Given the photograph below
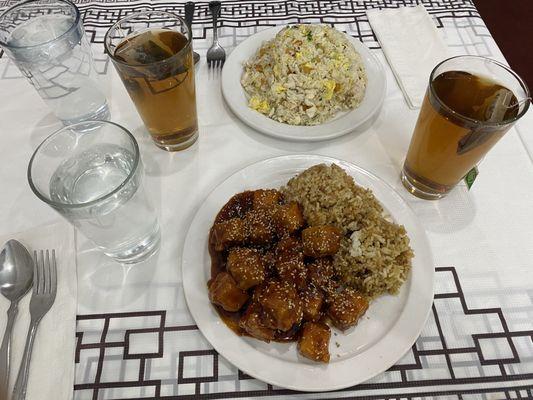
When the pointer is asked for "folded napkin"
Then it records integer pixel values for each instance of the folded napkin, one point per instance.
(52, 364)
(412, 45)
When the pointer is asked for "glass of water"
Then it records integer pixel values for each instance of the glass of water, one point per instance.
(92, 174)
(46, 40)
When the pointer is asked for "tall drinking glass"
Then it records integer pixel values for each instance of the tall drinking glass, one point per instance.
(46, 40)
(152, 53)
(471, 102)
(92, 174)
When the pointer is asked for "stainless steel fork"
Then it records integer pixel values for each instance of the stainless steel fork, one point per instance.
(42, 298)
(216, 55)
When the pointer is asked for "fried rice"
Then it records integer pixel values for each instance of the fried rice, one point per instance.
(375, 256)
(305, 75)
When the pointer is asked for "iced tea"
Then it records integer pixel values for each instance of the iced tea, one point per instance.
(156, 66)
(463, 115)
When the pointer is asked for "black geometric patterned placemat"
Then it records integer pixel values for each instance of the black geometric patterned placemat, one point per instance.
(495, 360)
(240, 19)
(245, 14)
(350, 15)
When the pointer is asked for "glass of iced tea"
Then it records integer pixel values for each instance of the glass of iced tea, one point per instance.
(152, 53)
(470, 103)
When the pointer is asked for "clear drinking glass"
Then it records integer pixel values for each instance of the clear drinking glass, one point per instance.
(152, 54)
(470, 103)
(92, 174)
(46, 40)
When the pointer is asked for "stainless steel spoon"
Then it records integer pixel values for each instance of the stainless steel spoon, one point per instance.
(16, 279)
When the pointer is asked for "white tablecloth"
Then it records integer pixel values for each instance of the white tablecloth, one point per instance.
(482, 237)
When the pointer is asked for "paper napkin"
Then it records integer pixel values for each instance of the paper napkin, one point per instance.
(52, 364)
(412, 45)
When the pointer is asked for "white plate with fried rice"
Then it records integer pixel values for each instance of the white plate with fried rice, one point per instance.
(341, 92)
(381, 337)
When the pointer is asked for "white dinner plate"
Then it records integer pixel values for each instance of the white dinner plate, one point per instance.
(382, 336)
(343, 123)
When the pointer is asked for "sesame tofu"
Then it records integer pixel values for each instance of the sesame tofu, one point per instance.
(224, 292)
(293, 270)
(346, 307)
(246, 266)
(289, 247)
(320, 272)
(290, 264)
(229, 233)
(269, 261)
(266, 198)
(321, 241)
(260, 227)
(252, 324)
(281, 303)
(288, 218)
(314, 341)
(312, 302)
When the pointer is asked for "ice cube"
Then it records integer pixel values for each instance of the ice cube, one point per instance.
(142, 49)
(127, 52)
(500, 105)
(40, 30)
(155, 52)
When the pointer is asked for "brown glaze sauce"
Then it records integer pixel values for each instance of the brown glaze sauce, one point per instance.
(237, 207)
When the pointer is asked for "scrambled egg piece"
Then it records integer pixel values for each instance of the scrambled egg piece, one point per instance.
(259, 105)
(340, 61)
(307, 67)
(279, 88)
(329, 85)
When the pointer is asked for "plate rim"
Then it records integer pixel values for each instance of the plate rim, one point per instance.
(320, 388)
(279, 126)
